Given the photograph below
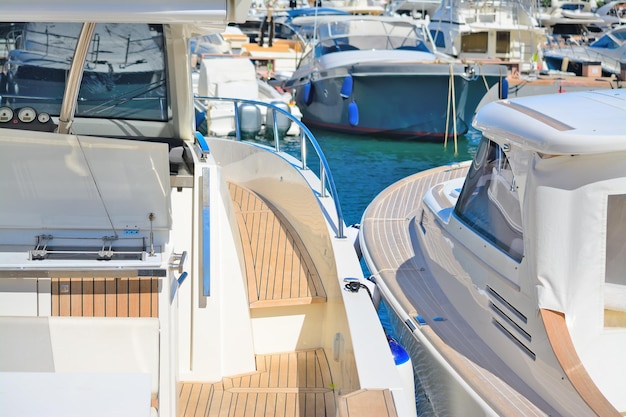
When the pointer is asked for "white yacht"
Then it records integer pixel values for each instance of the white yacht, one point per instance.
(381, 75)
(505, 31)
(148, 270)
(505, 275)
(608, 53)
(236, 77)
(571, 20)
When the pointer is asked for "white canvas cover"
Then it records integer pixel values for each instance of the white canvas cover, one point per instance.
(59, 181)
(228, 77)
(201, 12)
(567, 200)
(567, 205)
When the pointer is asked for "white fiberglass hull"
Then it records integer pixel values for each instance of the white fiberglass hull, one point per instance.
(442, 318)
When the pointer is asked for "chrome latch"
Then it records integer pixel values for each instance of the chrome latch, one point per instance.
(178, 261)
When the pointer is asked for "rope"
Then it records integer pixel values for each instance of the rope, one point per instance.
(451, 98)
(98, 190)
(482, 74)
(445, 138)
(500, 85)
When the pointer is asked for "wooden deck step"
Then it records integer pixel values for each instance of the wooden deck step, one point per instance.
(279, 269)
(285, 384)
(367, 403)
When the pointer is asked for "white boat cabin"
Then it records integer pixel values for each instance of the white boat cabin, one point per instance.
(538, 227)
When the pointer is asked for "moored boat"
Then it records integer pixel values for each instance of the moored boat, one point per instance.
(505, 272)
(149, 270)
(236, 77)
(381, 75)
(486, 31)
(607, 55)
(571, 19)
(613, 13)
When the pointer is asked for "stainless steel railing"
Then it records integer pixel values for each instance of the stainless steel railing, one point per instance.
(327, 183)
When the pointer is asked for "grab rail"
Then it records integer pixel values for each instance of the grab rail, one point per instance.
(325, 176)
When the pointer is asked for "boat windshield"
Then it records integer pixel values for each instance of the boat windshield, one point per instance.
(612, 40)
(489, 203)
(370, 35)
(573, 6)
(124, 74)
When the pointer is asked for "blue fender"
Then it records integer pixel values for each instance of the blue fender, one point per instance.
(353, 114)
(307, 93)
(200, 116)
(503, 88)
(346, 87)
(400, 355)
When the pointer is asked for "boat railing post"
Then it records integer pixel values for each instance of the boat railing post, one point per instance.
(303, 150)
(206, 232)
(323, 192)
(151, 219)
(237, 121)
(275, 124)
(127, 51)
(96, 47)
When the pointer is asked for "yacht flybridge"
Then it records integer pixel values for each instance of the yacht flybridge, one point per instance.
(507, 272)
(148, 270)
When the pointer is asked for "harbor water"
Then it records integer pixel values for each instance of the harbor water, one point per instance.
(362, 166)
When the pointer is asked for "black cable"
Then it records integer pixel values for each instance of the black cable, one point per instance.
(355, 286)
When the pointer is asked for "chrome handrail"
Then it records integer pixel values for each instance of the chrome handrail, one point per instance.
(325, 176)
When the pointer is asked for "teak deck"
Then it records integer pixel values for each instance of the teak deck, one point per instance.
(288, 384)
(291, 384)
(295, 384)
(279, 269)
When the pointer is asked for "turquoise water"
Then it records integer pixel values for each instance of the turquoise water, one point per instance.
(363, 166)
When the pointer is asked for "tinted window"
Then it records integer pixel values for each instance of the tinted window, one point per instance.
(439, 39)
(124, 71)
(489, 203)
